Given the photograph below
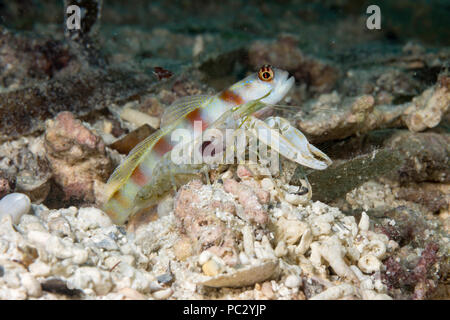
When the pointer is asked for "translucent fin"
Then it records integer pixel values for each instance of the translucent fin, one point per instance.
(180, 108)
(123, 172)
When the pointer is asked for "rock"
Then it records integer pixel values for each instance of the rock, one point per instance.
(243, 258)
(285, 54)
(139, 118)
(162, 294)
(296, 199)
(426, 111)
(267, 184)
(32, 286)
(59, 286)
(77, 158)
(204, 257)
(246, 276)
(360, 115)
(243, 172)
(155, 286)
(59, 226)
(425, 156)
(212, 268)
(305, 242)
(91, 218)
(253, 209)
(202, 226)
(290, 231)
(30, 60)
(364, 222)
(39, 269)
(7, 184)
(183, 249)
(165, 279)
(91, 278)
(248, 241)
(25, 168)
(15, 205)
(429, 195)
(131, 294)
(333, 252)
(350, 116)
(57, 247)
(369, 263)
(336, 292)
(350, 174)
(280, 249)
(126, 143)
(266, 289)
(89, 88)
(293, 281)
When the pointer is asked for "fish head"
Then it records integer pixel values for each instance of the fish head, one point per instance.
(270, 84)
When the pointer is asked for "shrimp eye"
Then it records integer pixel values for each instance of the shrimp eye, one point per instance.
(266, 73)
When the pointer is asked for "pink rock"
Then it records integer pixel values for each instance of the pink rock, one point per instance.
(263, 195)
(77, 158)
(243, 172)
(199, 222)
(253, 209)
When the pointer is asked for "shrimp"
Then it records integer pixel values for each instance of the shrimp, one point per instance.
(149, 172)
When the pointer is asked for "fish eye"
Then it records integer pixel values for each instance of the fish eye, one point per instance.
(266, 73)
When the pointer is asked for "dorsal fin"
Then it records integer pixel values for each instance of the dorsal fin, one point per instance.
(183, 106)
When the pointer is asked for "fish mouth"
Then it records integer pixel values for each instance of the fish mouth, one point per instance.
(285, 84)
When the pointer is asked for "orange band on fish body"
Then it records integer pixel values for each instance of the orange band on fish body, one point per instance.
(196, 115)
(162, 146)
(139, 177)
(121, 198)
(231, 97)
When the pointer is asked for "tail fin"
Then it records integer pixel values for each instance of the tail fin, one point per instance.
(128, 179)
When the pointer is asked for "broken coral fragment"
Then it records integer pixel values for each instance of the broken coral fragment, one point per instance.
(77, 158)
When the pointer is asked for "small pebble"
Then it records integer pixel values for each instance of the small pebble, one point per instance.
(369, 263)
(39, 269)
(243, 258)
(266, 289)
(267, 184)
(211, 268)
(364, 223)
(366, 284)
(243, 172)
(183, 249)
(165, 278)
(227, 175)
(294, 199)
(155, 286)
(163, 294)
(139, 118)
(293, 281)
(32, 286)
(204, 257)
(15, 205)
(59, 226)
(132, 294)
(281, 249)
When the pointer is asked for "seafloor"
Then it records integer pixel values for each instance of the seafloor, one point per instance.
(374, 225)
